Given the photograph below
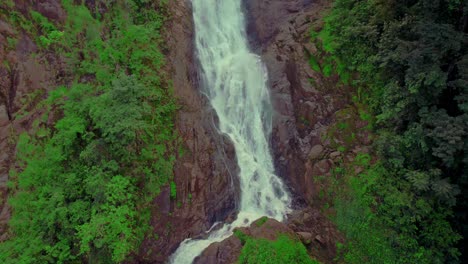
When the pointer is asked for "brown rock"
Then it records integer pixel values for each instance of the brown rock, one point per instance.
(322, 167)
(319, 239)
(6, 29)
(306, 237)
(279, 31)
(315, 152)
(51, 9)
(358, 170)
(335, 154)
(4, 120)
(224, 252)
(317, 232)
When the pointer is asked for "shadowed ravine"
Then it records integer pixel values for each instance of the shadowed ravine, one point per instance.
(235, 83)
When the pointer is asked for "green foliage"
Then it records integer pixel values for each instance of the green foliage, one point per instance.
(173, 188)
(52, 37)
(9, 3)
(387, 220)
(327, 70)
(12, 42)
(50, 33)
(261, 221)
(85, 186)
(42, 22)
(280, 251)
(15, 18)
(411, 60)
(313, 62)
(241, 236)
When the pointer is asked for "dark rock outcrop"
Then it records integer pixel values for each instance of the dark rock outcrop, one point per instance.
(304, 108)
(316, 232)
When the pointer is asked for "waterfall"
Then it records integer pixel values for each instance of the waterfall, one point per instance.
(235, 82)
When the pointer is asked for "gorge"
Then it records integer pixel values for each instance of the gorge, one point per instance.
(233, 131)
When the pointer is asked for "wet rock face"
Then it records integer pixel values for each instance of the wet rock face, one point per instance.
(206, 172)
(305, 104)
(303, 109)
(266, 17)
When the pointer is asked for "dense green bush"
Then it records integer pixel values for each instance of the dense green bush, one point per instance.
(84, 187)
(49, 33)
(411, 60)
(280, 251)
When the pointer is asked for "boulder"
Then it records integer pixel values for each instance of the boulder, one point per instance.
(306, 237)
(315, 152)
(51, 9)
(6, 29)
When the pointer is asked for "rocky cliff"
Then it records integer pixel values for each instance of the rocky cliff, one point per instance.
(205, 171)
(305, 105)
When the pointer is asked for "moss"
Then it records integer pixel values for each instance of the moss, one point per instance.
(241, 236)
(12, 42)
(280, 251)
(260, 222)
(313, 62)
(173, 188)
(327, 70)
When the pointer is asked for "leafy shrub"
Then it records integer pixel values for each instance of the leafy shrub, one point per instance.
(283, 250)
(408, 61)
(85, 186)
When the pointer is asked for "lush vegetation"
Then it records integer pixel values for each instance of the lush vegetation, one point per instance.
(84, 186)
(279, 251)
(408, 61)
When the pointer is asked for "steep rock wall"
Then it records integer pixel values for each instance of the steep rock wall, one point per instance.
(206, 172)
(304, 105)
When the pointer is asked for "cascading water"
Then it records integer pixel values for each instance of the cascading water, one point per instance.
(235, 82)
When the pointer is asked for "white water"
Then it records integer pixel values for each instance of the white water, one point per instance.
(235, 82)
